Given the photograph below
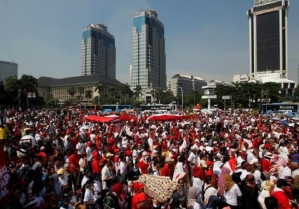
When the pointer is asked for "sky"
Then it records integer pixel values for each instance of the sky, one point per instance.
(205, 38)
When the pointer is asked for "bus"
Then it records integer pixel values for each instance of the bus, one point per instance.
(276, 107)
(160, 108)
(115, 107)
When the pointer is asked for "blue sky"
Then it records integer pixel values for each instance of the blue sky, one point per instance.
(206, 38)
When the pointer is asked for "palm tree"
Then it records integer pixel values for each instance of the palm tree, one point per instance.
(125, 90)
(88, 95)
(71, 91)
(137, 92)
(80, 91)
(99, 88)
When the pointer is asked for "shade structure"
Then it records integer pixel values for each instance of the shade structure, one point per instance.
(168, 117)
(100, 119)
(127, 118)
(160, 188)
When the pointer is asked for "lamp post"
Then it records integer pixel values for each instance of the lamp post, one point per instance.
(265, 93)
(182, 98)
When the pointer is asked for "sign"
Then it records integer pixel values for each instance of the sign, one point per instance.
(286, 107)
(225, 97)
(4, 177)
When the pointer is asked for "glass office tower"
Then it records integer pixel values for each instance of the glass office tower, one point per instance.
(148, 69)
(98, 52)
(268, 37)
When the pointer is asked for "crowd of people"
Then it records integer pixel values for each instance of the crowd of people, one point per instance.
(57, 159)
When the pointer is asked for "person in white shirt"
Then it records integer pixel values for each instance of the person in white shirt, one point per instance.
(192, 157)
(209, 189)
(106, 177)
(231, 192)
(89, 198)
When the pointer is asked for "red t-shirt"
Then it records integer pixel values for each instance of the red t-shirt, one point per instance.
(74, 159)
(96, 166)
(283, 202)
(266, 165)
(166, 171)
(143, 166)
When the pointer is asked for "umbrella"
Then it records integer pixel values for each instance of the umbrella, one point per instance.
(160, 188)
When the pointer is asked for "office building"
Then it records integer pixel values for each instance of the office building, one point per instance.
(188, 83)
(148, 69)
(8, 69)
(98, 52)
(58, 87)
(268, 38)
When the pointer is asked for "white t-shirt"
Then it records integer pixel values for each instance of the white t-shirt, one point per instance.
(122, 167)
(89, 197)
(210, 191)
(232, 195)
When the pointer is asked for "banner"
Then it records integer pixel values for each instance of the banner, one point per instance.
(4, 177)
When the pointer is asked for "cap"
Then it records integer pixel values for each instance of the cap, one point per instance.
(138, 185)
(144, 153)
(168, 159)
(109, 154)
(203, 163)
(60, 171)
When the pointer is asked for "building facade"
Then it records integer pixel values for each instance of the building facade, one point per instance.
(148, 68)
(58, 88)
(188, 83)
(8, 69)
(268, 37)
(98, 52)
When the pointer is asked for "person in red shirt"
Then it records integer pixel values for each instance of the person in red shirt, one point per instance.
(167, 168)
(265, 162)
(279, 194)
(43, 155)
(74, 168)
(138, 188)
(143, 164)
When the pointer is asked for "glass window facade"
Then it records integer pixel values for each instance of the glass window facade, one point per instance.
(268, 48)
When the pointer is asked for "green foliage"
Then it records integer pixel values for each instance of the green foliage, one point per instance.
(71, 91)
(247, 94)
(15, 91)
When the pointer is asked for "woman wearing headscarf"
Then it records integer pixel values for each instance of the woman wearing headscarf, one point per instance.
(118, 190)
(231, 192)
(224, 171)
(192, 198)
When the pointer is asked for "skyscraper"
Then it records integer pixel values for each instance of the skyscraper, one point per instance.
(148, 69)
(8, 69)
(98, 52)
(268, 35)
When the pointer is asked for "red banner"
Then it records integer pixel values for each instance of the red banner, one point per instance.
(4, 177)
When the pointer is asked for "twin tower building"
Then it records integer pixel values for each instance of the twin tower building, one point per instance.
(268, 32)
(148, 68)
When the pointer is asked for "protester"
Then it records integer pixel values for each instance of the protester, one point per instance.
(63, 160)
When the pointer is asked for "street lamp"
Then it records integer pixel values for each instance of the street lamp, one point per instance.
(182, 98)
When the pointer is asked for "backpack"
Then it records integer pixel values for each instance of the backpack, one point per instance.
(111, 201)
(203, 191)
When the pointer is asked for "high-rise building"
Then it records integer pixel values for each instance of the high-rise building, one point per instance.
(8, 69)
(148, 69)
(268, 37)
(188, 83)
(98, 52)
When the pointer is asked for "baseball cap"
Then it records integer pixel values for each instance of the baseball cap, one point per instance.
(138, 185)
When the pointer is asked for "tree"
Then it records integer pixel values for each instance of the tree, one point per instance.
(125, 91)
(137, 92)
(88, 95)
(11, 86)
(99, 88)
(71, 91)
(80, 90)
